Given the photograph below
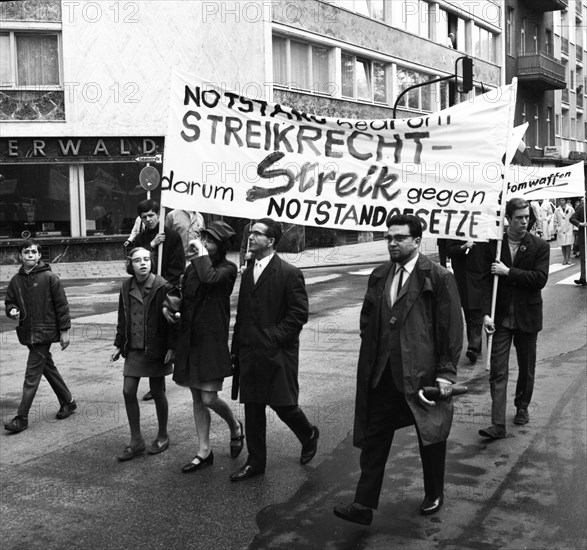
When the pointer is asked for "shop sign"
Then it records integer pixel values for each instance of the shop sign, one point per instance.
(552, 152)
(80, 149)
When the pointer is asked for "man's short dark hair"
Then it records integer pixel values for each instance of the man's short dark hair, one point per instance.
(147, 205)
(413, 222)
(515, 204)
(27, 243)
(273, 229)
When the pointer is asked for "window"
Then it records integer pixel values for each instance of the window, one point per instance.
(300, 65)
(548, 42)
(363, 79)
(523, 36)
(510, 40)
(536, 38)
(35, 199)
(29, 60)
(557, 125)
(548, 125)
(483, 44)
(420, 99)
(536, 125)
(572, 81)
(415, 18)
(369, 8)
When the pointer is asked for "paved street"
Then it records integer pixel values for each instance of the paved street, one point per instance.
(62, 486)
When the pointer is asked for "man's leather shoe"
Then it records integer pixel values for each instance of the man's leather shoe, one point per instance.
(17, 424)
(310, 447)
(581, 282)
(522, 417)
(493, 432)
(431, 505)
(351, 512)
(471, 356)
(246, 472)
(66, 410)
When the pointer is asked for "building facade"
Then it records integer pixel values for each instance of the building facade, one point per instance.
(545, 49)
(84, 88)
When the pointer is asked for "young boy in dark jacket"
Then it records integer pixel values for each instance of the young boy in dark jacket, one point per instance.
(36, 299)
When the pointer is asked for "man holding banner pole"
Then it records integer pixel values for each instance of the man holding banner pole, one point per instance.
(513, 312)
(578, 220)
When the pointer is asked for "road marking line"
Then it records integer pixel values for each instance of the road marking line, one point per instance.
(558, 267)
(569, 280)
(313, 280)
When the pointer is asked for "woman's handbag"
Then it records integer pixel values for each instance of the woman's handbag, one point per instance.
(173, 298)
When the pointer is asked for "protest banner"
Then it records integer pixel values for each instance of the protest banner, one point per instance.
(243, 157)
(535, 183)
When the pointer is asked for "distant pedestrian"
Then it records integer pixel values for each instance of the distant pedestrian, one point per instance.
(246, 258)
(36, 299)
(578, 220)
(564, 228)
(272, 309)
(147, 343)
(188, 224)
(467, 262)
(202, 358)
(523, 272)
(411, 336)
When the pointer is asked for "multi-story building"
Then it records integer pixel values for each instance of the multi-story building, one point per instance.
(84, 88)
(545, 48)
(570, 27)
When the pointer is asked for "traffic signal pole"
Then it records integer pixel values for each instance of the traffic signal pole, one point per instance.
(467, 80)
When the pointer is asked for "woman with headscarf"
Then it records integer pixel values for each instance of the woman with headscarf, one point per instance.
(202, 356)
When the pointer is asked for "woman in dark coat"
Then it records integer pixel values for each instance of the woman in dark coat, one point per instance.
(202, 357)
(146, 341)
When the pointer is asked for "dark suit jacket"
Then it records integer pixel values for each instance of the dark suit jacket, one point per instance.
(527, 277)
(270, 316)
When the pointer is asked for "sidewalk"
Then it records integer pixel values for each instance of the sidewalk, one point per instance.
(352, 254)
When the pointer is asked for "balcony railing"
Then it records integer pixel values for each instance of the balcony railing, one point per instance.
(541, 70)
(565, 45)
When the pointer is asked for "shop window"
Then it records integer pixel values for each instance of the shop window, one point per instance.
(29, 60)
(34, 200)
(112, 192)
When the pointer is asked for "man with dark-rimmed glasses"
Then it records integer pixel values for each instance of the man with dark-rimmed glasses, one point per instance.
(411, 337)
(272, 309)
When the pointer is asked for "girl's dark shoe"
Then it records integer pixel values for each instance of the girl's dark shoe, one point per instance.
(202, 462)
(129, 452)
(158, 446)
(237, 443)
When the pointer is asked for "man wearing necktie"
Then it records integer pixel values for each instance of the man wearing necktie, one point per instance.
(272, 309)
(411, 337)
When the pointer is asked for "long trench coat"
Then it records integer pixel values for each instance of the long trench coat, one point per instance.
(270, 316)
(202, 351)
(431, 340)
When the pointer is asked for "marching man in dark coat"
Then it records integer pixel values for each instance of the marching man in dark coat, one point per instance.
(411, 337)
(272, 309)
